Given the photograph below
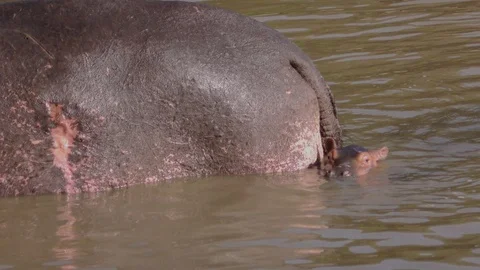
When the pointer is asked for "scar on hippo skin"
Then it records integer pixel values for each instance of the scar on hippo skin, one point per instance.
(350, 160)
(63, 136)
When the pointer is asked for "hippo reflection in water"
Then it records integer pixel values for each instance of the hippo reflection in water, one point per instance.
(351, 160)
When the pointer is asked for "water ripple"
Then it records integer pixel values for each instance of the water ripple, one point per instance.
(427, 2)
(395, 37)
(389, 29)
(302, 17)
(398, 264)
(391, 19)
(471, 71)
(457, 230)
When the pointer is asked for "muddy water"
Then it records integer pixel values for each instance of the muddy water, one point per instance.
(405, 74)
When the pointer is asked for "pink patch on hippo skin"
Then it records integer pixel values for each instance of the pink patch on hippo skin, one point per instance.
(35, 142)
(63, 136)
(151, 179)
(23, 105)
(91, 186)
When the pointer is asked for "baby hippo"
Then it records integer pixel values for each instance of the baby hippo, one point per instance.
(350, 160)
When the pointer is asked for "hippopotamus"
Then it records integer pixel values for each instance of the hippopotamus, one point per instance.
(351, 160)
(98, 94)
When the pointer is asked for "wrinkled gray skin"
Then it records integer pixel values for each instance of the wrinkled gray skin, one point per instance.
(99, 94)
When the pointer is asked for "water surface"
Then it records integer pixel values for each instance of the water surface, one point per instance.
(405, 74)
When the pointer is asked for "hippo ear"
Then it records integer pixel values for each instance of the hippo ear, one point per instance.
(383, 152)
(330, 150)
(380, 154)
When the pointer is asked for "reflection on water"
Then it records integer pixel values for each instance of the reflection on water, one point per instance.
(405, 74)
(64, 254)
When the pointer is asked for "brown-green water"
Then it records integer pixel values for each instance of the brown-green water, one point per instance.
(405, 74)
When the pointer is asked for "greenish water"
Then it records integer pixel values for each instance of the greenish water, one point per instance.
(405, 74)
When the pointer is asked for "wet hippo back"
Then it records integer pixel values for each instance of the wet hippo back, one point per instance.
(99, 94)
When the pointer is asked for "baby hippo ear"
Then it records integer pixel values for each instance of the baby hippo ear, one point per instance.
(330, 149)
(380, 154)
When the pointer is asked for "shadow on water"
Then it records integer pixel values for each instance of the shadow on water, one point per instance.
(405, 74)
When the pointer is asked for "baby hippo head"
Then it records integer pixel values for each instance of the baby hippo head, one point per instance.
(351, 160)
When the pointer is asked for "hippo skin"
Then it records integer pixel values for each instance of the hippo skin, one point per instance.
(98, 94)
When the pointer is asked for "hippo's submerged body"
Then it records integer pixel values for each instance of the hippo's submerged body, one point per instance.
(101, 94)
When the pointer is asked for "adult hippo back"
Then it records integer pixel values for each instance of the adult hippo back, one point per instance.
(101, 94)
